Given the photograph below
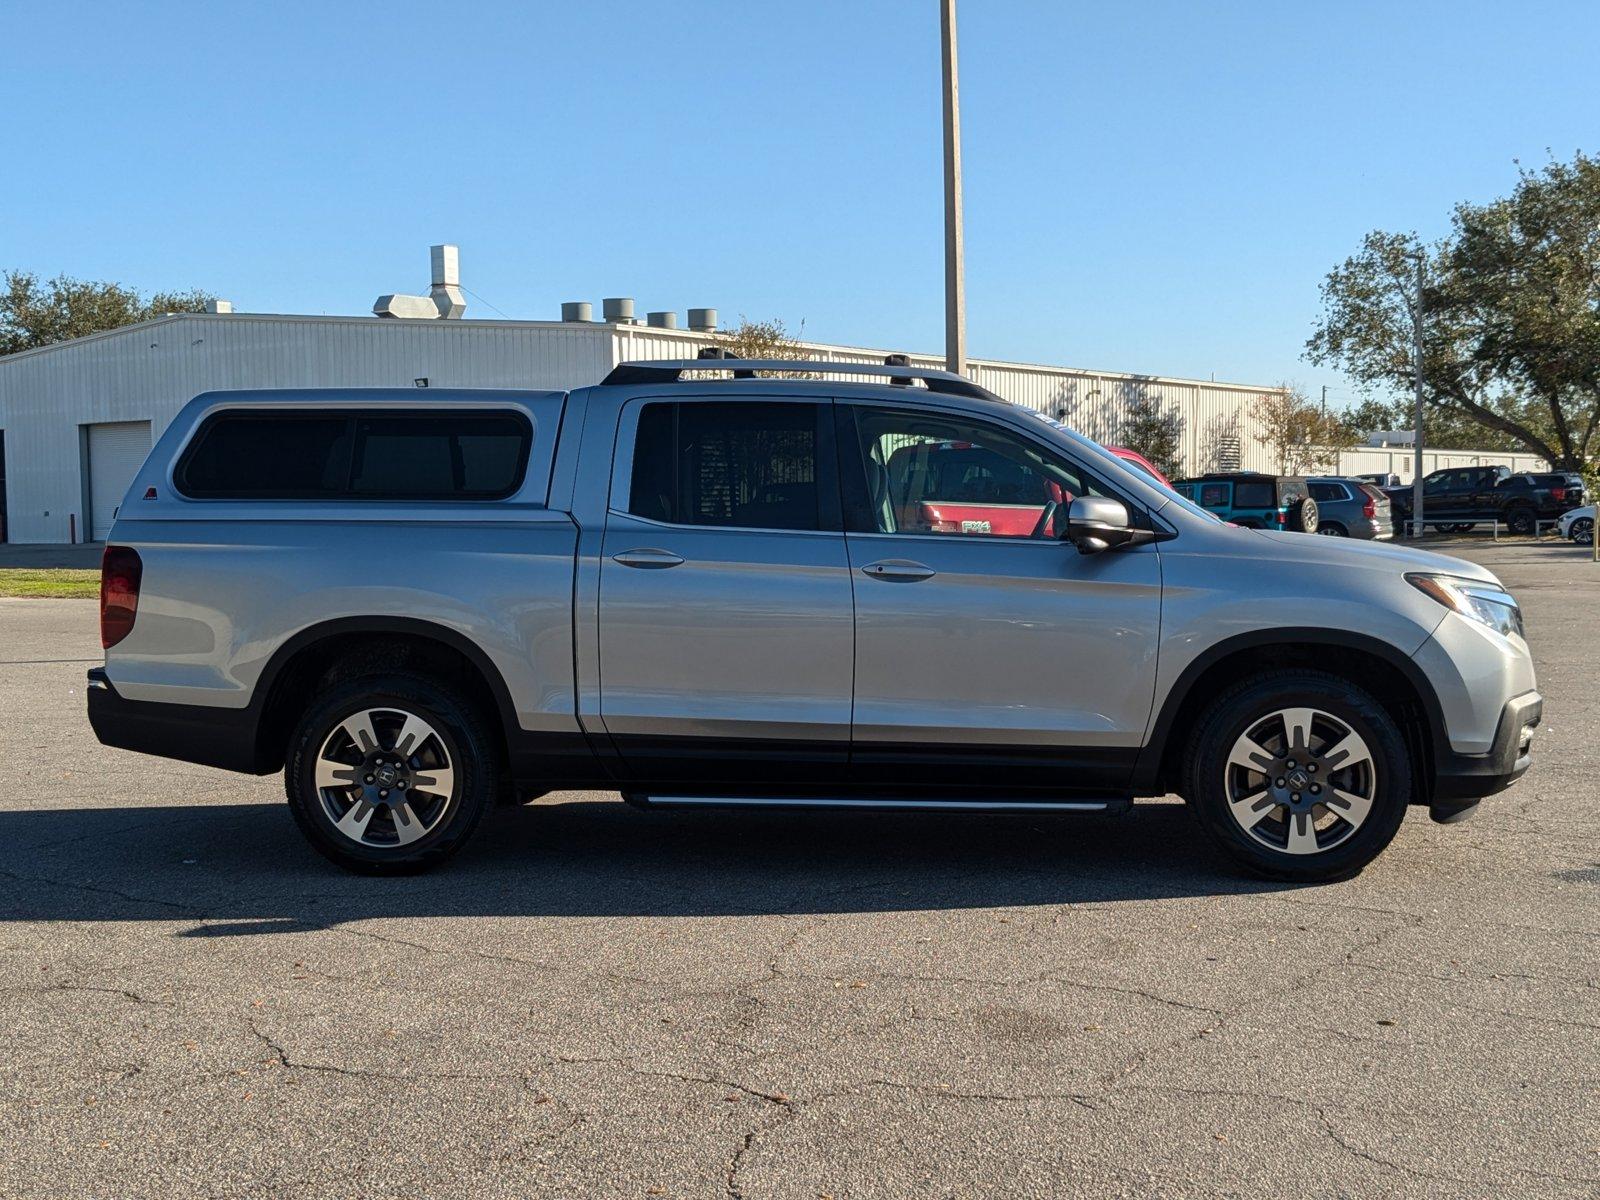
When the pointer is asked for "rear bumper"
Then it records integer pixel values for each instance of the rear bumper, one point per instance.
(1461, 780)
(197, 733)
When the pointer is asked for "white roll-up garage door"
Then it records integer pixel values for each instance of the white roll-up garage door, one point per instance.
(116, 452)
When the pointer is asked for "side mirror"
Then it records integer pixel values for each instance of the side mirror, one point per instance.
(1098, 523)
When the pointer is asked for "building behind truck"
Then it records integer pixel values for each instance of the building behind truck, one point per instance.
(78, 417)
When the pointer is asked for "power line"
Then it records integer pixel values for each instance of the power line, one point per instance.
(481, 300)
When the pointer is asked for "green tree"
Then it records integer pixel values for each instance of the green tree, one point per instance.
(40, 314)
(1153, 428)
(1443, 429)
(764, 339)
(1300, 436)
(1510, 314)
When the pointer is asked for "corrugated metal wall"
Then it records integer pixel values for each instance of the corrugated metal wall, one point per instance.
(148, 372)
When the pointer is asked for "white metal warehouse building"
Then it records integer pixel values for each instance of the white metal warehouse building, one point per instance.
(77, 418)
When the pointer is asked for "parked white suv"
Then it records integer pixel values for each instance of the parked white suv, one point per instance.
(700, 590)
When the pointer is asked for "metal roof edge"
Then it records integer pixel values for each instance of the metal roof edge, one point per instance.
(615, 328)
(98, 335)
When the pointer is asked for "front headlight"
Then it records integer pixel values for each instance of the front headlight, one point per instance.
(1486, 603)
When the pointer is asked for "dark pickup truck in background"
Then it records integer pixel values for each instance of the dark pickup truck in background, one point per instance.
(1457, 498)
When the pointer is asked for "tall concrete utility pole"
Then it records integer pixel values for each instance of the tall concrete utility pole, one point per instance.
(1416, 371)
(955, 288)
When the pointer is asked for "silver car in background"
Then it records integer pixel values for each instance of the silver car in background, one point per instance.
(1351, 508)
(698, 583)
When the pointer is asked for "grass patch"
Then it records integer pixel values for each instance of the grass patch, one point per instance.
(50, 583)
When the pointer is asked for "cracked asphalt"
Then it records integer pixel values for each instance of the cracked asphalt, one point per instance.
(597, 1001)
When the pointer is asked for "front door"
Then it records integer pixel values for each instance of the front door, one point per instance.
(990, 655)
(725, 603)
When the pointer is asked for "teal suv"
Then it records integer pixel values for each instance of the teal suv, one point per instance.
(1254, 500)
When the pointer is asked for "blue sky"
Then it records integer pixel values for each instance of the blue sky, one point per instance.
(1151, 187)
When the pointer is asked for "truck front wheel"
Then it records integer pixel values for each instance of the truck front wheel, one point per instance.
(390, 774)
(1298, 775)
(1521, 521)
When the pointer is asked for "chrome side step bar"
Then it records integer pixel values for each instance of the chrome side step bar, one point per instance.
(889, 803)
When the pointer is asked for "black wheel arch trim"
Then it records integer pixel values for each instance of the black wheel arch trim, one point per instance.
(235, 738)
(1147, 778)
(538, 756)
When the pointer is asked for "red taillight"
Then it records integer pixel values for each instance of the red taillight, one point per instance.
(1278, 518)
(1369, 510)
(1558, 493)
(120, 572)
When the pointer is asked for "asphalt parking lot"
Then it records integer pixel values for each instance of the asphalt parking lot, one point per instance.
(598, 1001)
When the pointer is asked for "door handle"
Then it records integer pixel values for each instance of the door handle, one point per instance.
(898, 570)
(648, 559)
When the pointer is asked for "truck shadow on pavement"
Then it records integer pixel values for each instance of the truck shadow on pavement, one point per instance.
(244, 868)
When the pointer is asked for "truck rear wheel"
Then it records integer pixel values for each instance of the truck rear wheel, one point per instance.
(1522, 521)
(390, 774)
(1298, 775)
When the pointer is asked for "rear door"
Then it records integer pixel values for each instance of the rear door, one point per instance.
(1462, 492)
(989, 660)
(1490, 491)
(725, 619)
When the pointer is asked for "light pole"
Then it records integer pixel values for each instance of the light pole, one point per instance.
(955, 297)
(1416, 372)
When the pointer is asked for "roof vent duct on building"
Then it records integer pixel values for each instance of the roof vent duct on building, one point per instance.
(446, 290)
(703, 320)
(577, 311)
(444, 299)
(662, 320)
(219, 306)
(618, 310)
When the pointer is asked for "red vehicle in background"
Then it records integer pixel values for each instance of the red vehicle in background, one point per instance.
(960, 487)
(1143, 463)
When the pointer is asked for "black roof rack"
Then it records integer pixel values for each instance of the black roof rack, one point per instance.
(715, 358)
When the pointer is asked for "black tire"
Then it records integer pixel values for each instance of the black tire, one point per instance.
(1466, 527)
(1303, 516)
(1332, 529)
(1581, 532)
(1251, 704)
(463, 746)
(1522, 521)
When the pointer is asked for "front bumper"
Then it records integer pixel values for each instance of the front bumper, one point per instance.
(1461, 780)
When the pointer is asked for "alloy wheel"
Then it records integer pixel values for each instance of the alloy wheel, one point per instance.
(384, 777)
(1300, 781)
(1581, 532)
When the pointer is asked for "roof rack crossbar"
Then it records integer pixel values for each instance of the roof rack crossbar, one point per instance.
(672, 371)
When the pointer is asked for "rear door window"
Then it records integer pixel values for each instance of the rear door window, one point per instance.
(1326, 493)
(729, 463)
(1215, 495)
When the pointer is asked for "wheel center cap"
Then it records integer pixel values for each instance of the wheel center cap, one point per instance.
(386, 776)
(1299, 780)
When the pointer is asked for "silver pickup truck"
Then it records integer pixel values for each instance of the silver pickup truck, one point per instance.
(698, 583)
